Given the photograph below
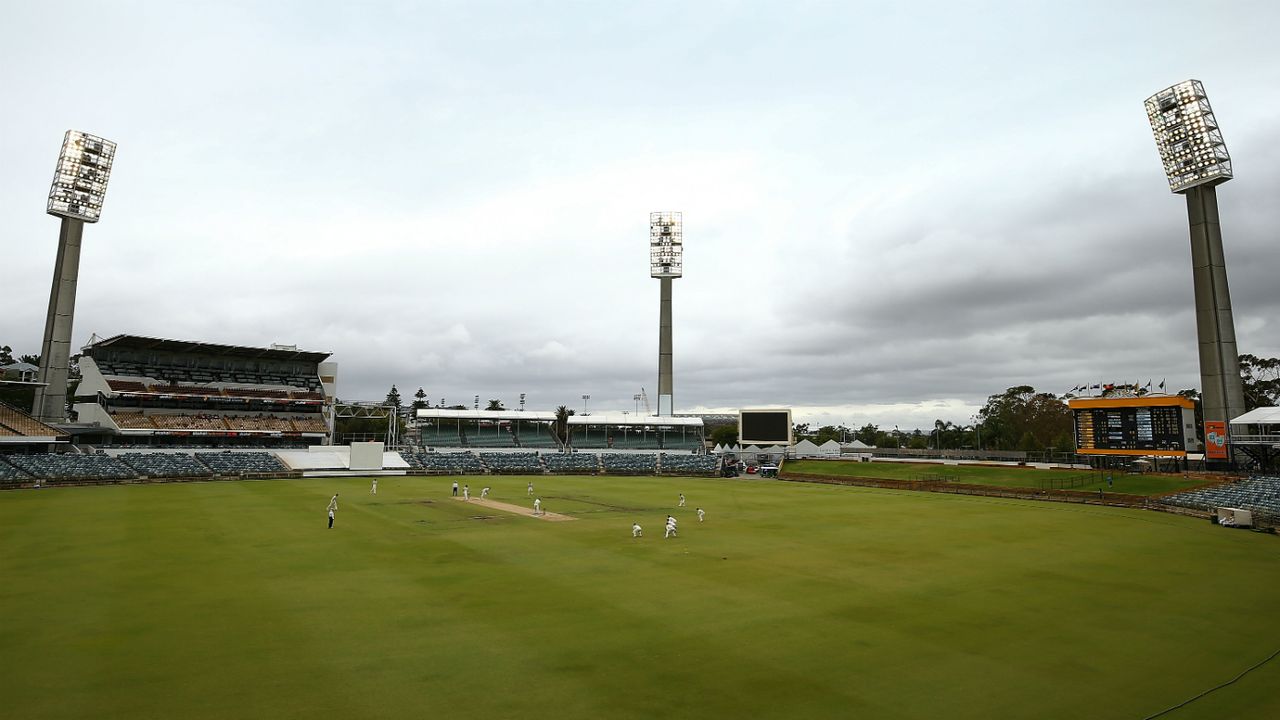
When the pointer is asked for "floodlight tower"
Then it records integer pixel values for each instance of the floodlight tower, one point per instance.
(79, 186)
(666, 262)
(1196, 161)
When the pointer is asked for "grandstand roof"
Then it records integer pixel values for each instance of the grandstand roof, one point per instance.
(1259, 416)
(138, 342)
(430, 413)
(635, 420)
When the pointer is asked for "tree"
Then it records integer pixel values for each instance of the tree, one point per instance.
(868, 434)
(6, 355)
(393, 398)
(420, 400)
(1021, 418)
(725, 434)
(561, 425)
(1261, 380)
(495, 405)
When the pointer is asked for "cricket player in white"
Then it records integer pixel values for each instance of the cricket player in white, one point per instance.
(537, 506)
(529, 492)
(681, 499)
(636, 530)
(333, 508)
(671, 527)
(466, 493)
(484, 493)
(374, 490)
(700, 514)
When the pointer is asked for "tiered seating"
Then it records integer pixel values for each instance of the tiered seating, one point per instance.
(11, 474)
(68, 466)
(127, 386)
(133, 421)
(458, 462)
(265, 422)
(536, 440)
(193, 390)
(187, 422)
(571, 463)
(636, 441)
(14, 422)
(488, 437)
(1260, 493)
(238, 463)
(513, 463)
(674, 441)
(165, 464)
(411, 458)
(690, 464)
(309, 425)
(307, 395)
(256, 393)
(627, 464)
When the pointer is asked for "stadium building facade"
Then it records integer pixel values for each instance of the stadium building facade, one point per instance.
(155, 392)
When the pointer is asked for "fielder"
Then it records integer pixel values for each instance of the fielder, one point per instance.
(700, 514)
(529, 492)
(681, 500)
(484, 493)
(636, 530)
(374, 490)
(671, 527)
(333, 508)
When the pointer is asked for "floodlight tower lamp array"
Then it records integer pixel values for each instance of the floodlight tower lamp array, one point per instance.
(1187, 136)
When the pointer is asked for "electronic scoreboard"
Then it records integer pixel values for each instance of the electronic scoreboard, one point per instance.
(1162, 425)
(765, 427)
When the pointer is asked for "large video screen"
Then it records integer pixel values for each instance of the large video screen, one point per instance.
(764, 427)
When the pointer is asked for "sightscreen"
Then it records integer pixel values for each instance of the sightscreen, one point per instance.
(764, 427)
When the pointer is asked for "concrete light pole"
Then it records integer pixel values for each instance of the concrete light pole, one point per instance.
(79, 186)
(666, 263)
(1196, 161)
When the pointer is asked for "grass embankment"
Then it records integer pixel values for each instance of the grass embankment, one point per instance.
(231, 599)
(998, 476)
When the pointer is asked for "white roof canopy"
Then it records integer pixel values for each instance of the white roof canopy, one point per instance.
(495, 415)
(1259, 416)
(634, 420)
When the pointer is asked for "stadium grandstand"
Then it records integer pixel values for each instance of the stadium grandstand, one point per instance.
(637, 433)
(150, 392)
(487, 429)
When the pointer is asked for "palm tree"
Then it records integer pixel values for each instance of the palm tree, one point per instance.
(562, 425)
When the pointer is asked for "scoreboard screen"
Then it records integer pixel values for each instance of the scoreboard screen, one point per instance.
(764, 427)
(1133, 426)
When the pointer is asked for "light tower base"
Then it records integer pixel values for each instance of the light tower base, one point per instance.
(50, 404)
(666, 381)
(1222, 393)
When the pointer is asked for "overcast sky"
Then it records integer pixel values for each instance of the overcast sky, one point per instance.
(891, 210)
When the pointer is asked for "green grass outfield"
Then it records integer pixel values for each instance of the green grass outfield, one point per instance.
(232, 600)
(1000, 476)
